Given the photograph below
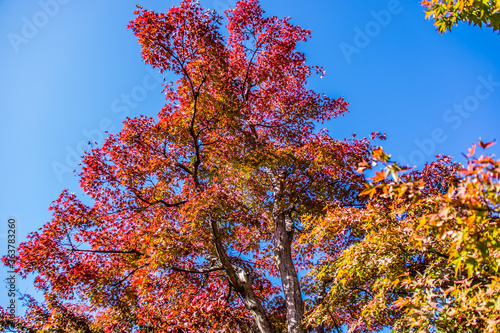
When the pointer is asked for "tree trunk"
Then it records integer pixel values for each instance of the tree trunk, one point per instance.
(252, 303)
(283, 236)
(242, 282)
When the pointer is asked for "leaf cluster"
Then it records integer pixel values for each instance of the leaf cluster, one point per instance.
(423, 254)
(448, 13)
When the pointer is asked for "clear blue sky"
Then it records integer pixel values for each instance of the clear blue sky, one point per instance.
(71, 71)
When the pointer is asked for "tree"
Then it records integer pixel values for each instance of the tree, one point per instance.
(193, 213)
(52, 316)
(447, 13)
(424, 252)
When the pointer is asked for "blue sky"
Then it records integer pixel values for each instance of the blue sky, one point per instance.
(71, 70)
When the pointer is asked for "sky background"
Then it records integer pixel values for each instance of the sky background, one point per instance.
(70, 70)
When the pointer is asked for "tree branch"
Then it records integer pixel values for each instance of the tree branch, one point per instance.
(129, 275)
(196, 270)
(106, 251)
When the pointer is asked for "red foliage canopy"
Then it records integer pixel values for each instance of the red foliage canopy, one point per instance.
(193, 212)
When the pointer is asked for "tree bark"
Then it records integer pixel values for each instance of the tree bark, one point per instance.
(242, 283)
(283, 237)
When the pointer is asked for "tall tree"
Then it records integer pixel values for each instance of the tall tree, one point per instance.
(192, 213)
(448, 13)
(423, 254)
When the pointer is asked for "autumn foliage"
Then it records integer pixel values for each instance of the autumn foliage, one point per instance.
(424, 252)
(204, 218)
(448, 13)
(193, 214)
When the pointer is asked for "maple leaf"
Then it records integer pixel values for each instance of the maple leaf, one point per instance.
(193, 211)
